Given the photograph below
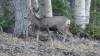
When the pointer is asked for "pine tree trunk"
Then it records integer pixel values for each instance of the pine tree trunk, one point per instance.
(21, 12)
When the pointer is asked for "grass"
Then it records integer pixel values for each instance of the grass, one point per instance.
(74, 44)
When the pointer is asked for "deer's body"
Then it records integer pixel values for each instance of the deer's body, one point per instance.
(54, 23)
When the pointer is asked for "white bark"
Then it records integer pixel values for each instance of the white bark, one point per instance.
(79, 11)
(32, 4)
(36, 8)
(35, 4)
(48, 8)
(21, 12)
(29, 4)
(87, 9)
(42, 7)
(45, 7)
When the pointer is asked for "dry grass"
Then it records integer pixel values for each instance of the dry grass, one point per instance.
(81, 47)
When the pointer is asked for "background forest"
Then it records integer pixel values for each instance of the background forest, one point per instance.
(65, 8)
(49, 27)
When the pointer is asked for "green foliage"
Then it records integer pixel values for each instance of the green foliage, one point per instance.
(93, 31)
(95, 10)
(74, 29)
(61, 7)
(6, 20)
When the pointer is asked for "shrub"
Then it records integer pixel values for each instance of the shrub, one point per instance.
(74, 29)
(5, 23)
(93, 31)
(7, 19)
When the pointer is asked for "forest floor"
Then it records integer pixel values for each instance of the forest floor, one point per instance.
(13, 46)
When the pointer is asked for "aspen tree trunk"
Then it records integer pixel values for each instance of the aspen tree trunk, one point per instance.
(21, 12)
(87, 10)
(42, 7)
(79, 13)
(45, 7)
(36, 8)
(29, 4)
(48, 8)
(35, 4)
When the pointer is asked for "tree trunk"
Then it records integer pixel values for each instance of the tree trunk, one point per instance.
(42, 8)
(21, 12)
(79, 13)
(48, 8)
(87, 9)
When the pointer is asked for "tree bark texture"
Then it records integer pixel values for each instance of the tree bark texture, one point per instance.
(21, 12)
(87, 10)
(79, 13)
(48, 8)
